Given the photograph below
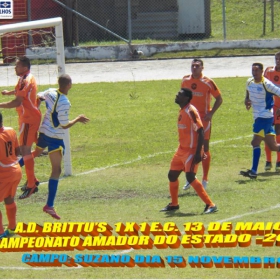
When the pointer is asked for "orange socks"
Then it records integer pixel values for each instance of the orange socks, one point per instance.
(206, 166)
(201, 192)
(174, 190)
(29, 170)
(1, 224)
(11, 210)
(267, 153)
(278, 142)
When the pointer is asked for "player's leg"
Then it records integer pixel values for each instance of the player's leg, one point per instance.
(41, 145)
(28, 136)
(210, 206)
(207, 160)
(176, 167)
(10, 188)
(268, 164)
(55, 159)
(259, 129)
(277, 130)
(56, 150)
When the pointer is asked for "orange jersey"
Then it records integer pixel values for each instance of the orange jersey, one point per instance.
(27, 88)
(8, 160)
(274, 76)
(203, 89)
(188, 123)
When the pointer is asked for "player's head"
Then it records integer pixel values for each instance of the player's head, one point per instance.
(1, 120)
(183, 97)
(64, 82)
(277, 60)
(257, 71)
(22, 65)
(197, 67)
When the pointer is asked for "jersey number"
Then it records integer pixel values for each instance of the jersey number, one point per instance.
(9, 148)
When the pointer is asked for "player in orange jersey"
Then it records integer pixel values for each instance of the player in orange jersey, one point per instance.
(25, 102)
(203, 89)
(10, 174)
(189, 152)
(273, 74)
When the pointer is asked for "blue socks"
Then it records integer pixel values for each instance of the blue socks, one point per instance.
(53, 183)
(256, 158)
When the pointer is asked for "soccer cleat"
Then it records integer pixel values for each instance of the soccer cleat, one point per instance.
(204, 184)
(187, 186)
(28, 192)
(169, 208)
(7, 233)
(268, 166)
(277, 166)
(209, 210)
(249, 173)
(50, 210)
(24, 187)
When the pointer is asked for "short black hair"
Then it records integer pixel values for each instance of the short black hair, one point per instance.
(64, 80)
(187, 92)
(198, 60)
(25, 61)
(258, 64)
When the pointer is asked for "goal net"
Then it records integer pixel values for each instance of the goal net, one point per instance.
(42, 42)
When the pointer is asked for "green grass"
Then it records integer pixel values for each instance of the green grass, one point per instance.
(126, 151)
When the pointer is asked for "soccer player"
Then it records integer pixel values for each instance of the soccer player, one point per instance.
(29, 115)
(273, 74)
(259, 96)
(189, 153)
(203, 89)
(51, 133)
(10, 174)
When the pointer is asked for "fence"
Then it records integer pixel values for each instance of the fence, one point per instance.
(113, 22)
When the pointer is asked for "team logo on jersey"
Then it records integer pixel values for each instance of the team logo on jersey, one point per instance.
(276, 78)
(194, 86)
(6, 9)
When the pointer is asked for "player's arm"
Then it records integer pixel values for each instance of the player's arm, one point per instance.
(200, 141)
(13, 103)
(247, 101)
(8, 92)
(217, 104)
(81, 118)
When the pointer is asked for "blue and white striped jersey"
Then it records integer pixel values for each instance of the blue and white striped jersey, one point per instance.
(261, 95)
(57, 114)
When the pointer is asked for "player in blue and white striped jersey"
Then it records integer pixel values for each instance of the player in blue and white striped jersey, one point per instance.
(51, 133)
(259, 96)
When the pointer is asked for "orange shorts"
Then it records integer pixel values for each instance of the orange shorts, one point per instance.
(9, 183)
(183, 161)
(28, 133)
(207, 129)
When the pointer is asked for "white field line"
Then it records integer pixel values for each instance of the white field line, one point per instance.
(132, 161)
(153, 155)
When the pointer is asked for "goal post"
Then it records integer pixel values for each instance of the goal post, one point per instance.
(57, 24)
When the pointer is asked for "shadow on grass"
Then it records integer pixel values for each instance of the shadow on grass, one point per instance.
(179, 214)
(265, 175)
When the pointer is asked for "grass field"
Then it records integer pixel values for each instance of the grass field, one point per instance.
(120, 162)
